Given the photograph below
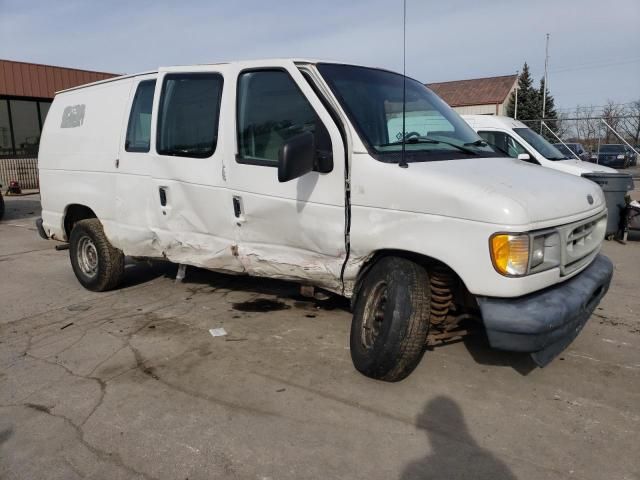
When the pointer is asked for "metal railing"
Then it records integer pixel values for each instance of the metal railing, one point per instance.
(22, 170)
(592, 131)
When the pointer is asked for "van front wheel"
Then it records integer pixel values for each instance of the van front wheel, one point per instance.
(98, 265)
(391, 320)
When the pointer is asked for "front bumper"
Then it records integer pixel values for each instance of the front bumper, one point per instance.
(544, 323)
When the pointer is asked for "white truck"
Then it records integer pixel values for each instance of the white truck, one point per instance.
(301, 170)
(518, 140)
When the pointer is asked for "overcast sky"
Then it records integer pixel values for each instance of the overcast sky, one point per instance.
(594, 48)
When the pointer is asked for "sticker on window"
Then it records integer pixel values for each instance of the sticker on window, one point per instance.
(72, 116)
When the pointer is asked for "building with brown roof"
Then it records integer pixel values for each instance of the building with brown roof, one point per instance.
(484, 96)
(26, 92)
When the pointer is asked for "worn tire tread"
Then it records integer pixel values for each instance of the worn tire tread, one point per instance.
(411, 346)
(110, 259)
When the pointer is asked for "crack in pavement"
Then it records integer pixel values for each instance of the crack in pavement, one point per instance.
(110, 457)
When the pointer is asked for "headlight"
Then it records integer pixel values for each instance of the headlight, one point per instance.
(510, 254)
(519, 254)
(537, 252)
(620, 157)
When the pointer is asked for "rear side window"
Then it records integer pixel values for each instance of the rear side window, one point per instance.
(271, 111)
(188, 114)
(139, 128)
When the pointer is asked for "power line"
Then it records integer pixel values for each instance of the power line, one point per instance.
(595, 65)
(595, 107)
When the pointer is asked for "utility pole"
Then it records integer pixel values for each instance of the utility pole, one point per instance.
(546, 81)
(515, 110)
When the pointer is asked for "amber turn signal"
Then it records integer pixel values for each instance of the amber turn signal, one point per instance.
(510, 254)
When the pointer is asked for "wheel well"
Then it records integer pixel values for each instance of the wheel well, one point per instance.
(424, 260)
(75, 213)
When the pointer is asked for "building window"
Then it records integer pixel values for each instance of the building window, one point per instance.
(272, 110)
(21, 124)
(139, 128)
(44, 109)
(6, 145)
(26, 127)
(188, 114)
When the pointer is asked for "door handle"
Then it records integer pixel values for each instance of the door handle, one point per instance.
(163, 196)
(237, 207)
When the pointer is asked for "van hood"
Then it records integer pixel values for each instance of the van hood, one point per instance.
(501, 191)
(578, 167)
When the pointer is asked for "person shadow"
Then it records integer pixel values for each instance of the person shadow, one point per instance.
(454, 452)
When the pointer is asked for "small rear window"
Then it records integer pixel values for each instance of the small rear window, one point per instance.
(139, 128)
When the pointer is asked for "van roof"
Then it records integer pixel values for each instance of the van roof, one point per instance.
(241, 64)
(496, 121)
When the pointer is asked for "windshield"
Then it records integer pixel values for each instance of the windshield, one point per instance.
(543, 147)
(565, 150)
(372, 99)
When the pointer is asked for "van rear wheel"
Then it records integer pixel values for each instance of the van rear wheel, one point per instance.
(391, 320)
(98, 265)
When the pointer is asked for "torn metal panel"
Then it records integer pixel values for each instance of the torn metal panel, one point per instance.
(205, 251)
(289, 264)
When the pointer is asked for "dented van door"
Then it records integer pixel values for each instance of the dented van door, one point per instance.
(293, 229)
(191, 215)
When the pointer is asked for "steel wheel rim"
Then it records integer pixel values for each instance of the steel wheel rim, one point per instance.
(374, 316)
(87, 256)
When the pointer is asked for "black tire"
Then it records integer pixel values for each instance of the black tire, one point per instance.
(389, 334)
(1, 206)
(98, 265)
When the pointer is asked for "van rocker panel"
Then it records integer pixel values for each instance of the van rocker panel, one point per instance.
(544, 323)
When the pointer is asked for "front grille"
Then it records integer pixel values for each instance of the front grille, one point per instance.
(581, 242)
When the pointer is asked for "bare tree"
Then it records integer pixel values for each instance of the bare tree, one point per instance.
(563, 127)
(630, 126)
(588, 126)
(611, 114)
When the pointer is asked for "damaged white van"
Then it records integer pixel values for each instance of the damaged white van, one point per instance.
(306, 171)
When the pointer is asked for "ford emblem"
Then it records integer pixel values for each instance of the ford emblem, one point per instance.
(590, 199)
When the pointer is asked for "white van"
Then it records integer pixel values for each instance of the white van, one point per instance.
(518, 141)
(299, 170)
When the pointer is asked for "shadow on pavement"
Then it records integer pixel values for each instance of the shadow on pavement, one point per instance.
(454, 452)
(18, 208)
(5, 435)
(478, 346)
(138, 272)
(142, 271)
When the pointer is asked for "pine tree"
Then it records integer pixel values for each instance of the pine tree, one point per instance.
(527, 98)
(549, 113)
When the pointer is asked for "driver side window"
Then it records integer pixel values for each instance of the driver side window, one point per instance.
(271, 111)
(504, 142)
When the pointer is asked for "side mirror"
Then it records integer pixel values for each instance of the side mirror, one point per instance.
(296, 157)
(524, 157)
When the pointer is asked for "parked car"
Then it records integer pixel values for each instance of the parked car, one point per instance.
(571, 150)
(633, 156)
(613, 155)
(518, 141)
(302, 171)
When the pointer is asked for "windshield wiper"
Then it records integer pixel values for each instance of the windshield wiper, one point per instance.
(414, 140)
(477, 143)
